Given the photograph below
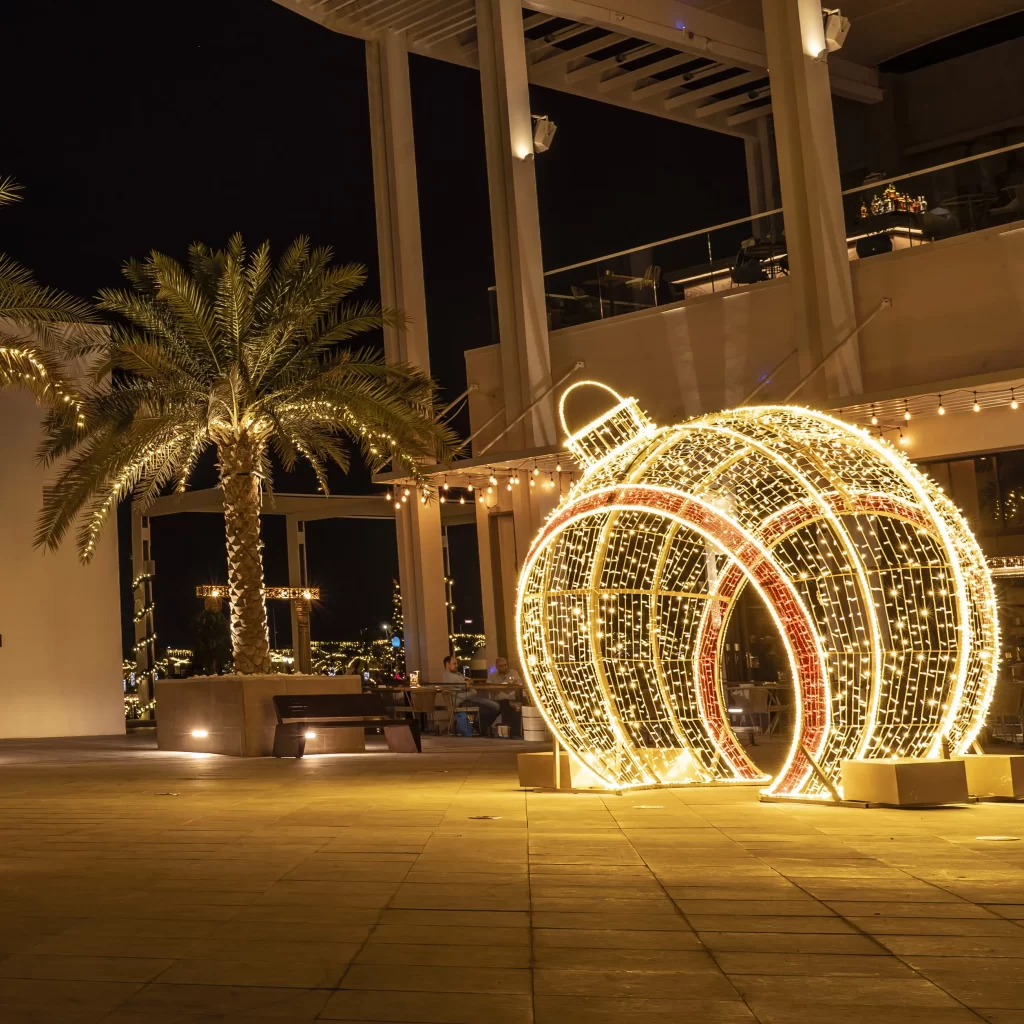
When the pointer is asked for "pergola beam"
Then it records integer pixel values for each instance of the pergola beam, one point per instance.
(599, 67)
(691, 96)
(720, 106)
(570, 32)
(638, 74)
(563, 58)
(746, 116)
(644, 92)
(303, 506)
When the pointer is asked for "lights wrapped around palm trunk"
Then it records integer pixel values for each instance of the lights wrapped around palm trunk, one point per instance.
(880, 594)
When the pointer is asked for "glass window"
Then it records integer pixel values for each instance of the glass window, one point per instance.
(987, 481)
(1011, 487)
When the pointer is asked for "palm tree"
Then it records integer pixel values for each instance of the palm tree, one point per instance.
(33, 318)
(235, 353)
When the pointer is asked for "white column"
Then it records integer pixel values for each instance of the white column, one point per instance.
(515, 221)
(421, 573)
(298, 577)
(143, 573)
(820, 287)
(418, 527)
(486, 555)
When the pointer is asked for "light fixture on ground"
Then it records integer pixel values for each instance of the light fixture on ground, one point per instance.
(878, 590)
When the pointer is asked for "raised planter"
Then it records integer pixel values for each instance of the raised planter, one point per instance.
(995, 775)
(905, 782)
(237, 714)
(537, 771)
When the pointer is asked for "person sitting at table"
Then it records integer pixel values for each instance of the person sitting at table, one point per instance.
(511, 709)
(453, 679)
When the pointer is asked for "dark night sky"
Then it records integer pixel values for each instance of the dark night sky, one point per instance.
(135, 127)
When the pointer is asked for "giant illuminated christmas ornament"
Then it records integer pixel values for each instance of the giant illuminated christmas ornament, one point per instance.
(879, 592)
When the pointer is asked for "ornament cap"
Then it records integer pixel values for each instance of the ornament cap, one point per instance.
(623, 422)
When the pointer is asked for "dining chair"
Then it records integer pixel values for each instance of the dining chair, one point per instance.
(652, 275)
(452, 709)
(422, 703)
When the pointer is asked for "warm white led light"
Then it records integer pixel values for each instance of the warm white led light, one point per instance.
(199, 734)
(879, 592)
(310, 735)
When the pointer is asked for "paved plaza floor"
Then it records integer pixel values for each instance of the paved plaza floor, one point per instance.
(150, 888)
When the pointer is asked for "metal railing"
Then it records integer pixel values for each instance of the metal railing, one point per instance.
(898, 212)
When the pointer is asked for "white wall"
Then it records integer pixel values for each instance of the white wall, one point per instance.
(60, 662)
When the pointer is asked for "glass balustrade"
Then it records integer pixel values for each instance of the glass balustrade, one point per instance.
(938, 202)
(881, 215)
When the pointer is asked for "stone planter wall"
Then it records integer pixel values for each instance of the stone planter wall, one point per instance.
(237, 713)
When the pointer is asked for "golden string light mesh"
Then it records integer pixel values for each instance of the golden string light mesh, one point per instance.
(880, 594)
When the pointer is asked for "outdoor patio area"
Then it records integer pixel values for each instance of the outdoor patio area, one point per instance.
(149, 887)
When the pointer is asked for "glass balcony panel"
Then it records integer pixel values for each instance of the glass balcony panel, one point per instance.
(881, 216)
(935, 203)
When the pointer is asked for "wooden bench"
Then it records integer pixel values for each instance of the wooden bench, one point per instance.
(301, 714)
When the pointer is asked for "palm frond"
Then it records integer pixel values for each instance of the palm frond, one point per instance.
(26, 366)
(235, 350)
(10, 191)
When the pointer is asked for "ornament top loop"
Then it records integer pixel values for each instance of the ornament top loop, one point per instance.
(617, 426)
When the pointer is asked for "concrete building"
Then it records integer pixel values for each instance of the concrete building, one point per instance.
(819, 297)
(60, 624)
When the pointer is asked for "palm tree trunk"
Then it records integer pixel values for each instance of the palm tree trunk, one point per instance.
(242, 499)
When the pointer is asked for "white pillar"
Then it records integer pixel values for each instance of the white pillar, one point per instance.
(820, 288)
(298, 576)
(143, 573)
(515, 221)
(486, 555)
(418, 527)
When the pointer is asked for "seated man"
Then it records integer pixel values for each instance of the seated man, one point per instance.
(453, 679)
(511, 708)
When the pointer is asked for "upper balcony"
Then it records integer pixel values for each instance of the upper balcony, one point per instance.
(687, 337)
(884, 215)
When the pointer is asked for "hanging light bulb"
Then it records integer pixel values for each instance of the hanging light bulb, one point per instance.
(489, 489)
(398, 505)
(462, 499)
(906, 410)
(1013, 399)
(442, 499)
(390, 498)
(558, 468)
(977, 407)
(903, 439)
(469, 488)
(533, 483)
(492, 479)
(874, 416)
(445, 485)
(508, 486)
(942, 408)
(536, 471)
(407, 492)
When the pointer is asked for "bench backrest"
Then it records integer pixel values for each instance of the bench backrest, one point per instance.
(330, 705)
